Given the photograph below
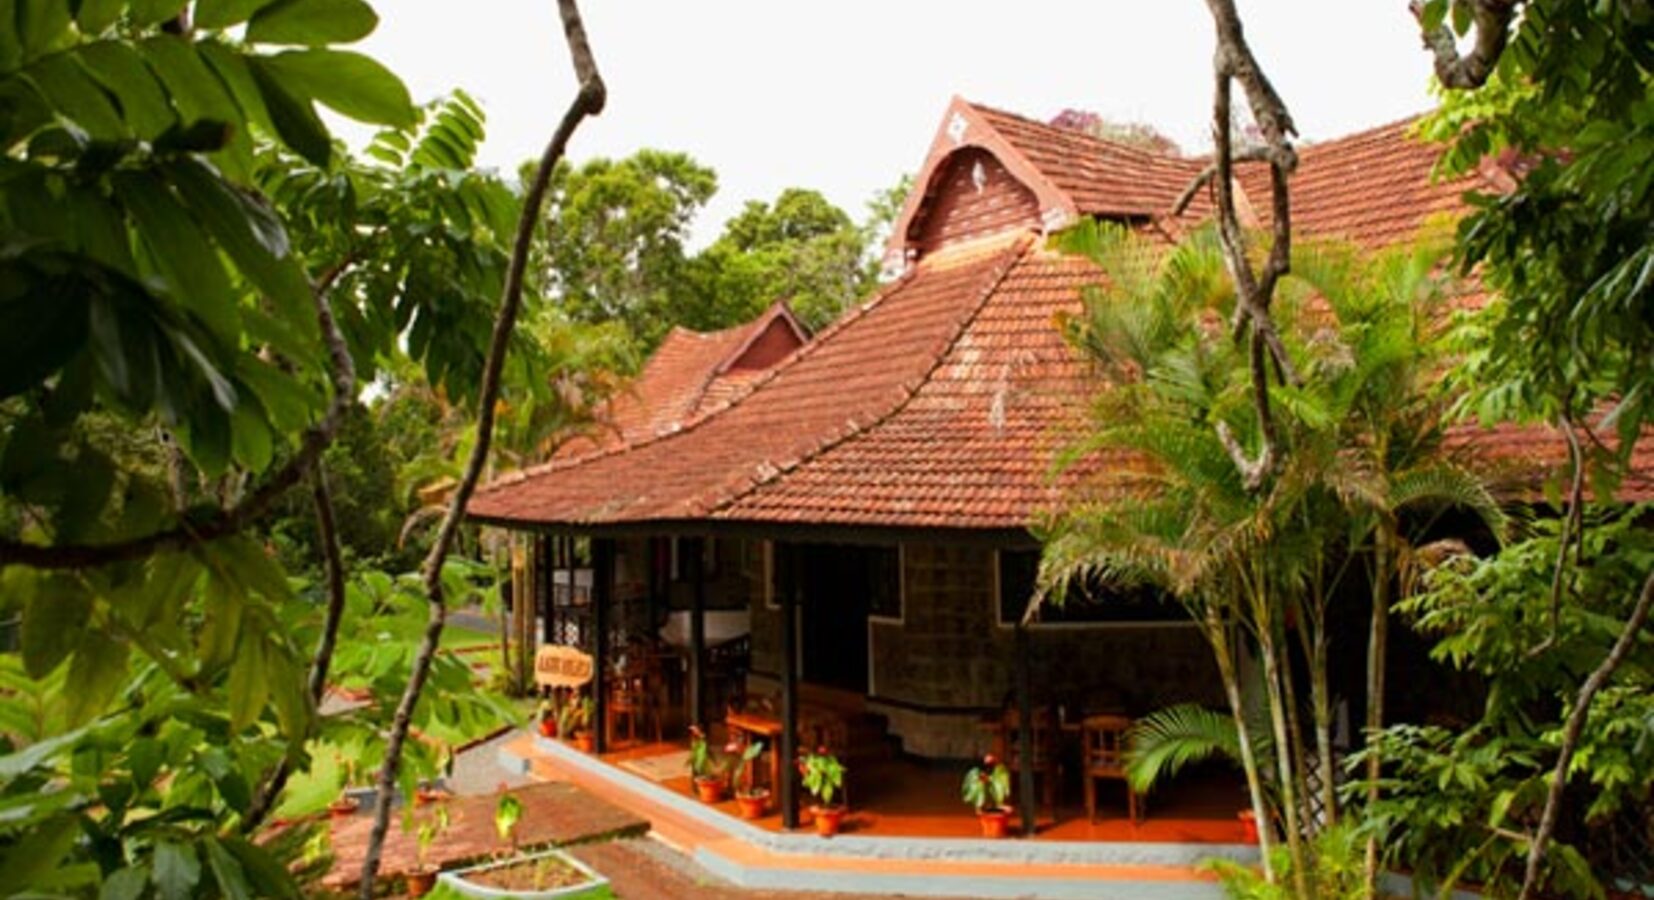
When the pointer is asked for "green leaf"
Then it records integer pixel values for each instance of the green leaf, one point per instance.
(177, 869)
(154, 12)
(95, 16)
(231, 879)
(40, 330)
(294, 119)
(248, 682)
(144, 756)
(181, 250)
(97, 671)
(123, 73)
(265, 874)
(125, 884)
(54, 624)
(249, 232)
(224, 13)
(195, 91)
(312, 22)
(350, 83)
(72, 91)
(40, 24)
(37, 854)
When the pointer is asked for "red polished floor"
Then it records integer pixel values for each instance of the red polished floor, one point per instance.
(908, 798)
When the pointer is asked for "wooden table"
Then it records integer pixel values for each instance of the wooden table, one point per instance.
(759, 726)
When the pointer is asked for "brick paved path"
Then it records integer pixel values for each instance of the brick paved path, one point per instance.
(553, 813)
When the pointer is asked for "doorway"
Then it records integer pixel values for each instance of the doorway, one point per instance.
(838, 585)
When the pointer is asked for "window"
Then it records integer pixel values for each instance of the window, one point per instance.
(884, 583)
(845, 576)
(1096, 604)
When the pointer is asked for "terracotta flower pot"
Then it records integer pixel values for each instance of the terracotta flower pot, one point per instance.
(421, 881)
(710, 788)
(753, 804)
(996, 823)
(548, 728)
(584, 741)
(342, 807)
(425, 796)
(828, 819)
(1249, 825)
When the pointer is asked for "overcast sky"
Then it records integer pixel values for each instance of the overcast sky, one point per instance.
(844, 96)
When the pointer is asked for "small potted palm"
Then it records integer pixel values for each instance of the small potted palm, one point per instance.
(753, 801)
(574, 723)
(988, 788)
(709, 769)
(824, 779)
(423, 877)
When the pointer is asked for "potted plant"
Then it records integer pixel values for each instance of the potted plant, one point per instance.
(423, 876)
(751, 800)
(824, 779)
(547, 718)
(343, 805)
(574, 722)
(709, 769)
(988, 788)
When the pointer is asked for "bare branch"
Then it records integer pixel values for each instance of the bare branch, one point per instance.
(589, 102)
(1572, 525)
(1471, 70)
(1575, 724)
(1249, 154)
(219, 523)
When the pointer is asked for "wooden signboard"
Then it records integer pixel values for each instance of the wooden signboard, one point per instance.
(562, 667)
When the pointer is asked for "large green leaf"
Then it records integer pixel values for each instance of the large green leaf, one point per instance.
(41, 328)
(312, 23)
(94, 16)
(154, 12)
(232, 881)
(294, 119)
(72, 91)
(54, 624)
(181, 250)
(97, 671)
(40, 24)
(122, 72)
(352, 84)
(177, 869)
(36, 855)
(249, 682)
(265, 874)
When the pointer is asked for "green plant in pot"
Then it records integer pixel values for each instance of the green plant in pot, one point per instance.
(708, 768)
(824, 779)
(752, 800)
(548, 717)
(987, 787)
(423, 876)
(574, 723)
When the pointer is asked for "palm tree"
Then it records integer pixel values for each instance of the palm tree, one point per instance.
(1158, 499)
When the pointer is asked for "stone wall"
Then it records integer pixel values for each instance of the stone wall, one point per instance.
(949, 661)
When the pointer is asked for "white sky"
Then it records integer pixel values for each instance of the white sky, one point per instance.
(844, 96)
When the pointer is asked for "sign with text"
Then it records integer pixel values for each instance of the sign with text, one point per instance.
(561, 667)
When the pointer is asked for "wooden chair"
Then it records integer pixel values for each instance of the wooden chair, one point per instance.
(1047, 761)
(1103, 756)
(634, 698)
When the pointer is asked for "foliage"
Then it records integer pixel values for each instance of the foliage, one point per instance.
(750, 752)
(507, 813)
(1569, 250)
(1166, 740)
(1339, 870)
(1457, 805)
(987, 786)
(431, 828)
(709, 763)
(823, 775)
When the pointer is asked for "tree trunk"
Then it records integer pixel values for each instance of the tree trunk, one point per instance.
(1378, 643)
(1218, 636)
(1284, 761)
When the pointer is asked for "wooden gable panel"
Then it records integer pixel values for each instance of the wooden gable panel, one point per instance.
(974, 196)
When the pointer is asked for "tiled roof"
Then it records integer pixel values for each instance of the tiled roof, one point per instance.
(1520, 458)
(941, 402)
(852, 375)
(689, 372)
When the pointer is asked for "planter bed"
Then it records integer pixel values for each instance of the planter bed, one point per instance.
(535, 876)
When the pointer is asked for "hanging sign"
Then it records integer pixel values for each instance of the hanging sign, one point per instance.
(561, 667)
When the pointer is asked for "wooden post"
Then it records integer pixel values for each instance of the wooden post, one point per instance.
(602, 593)
(697, 635)
(1025, 733)
(789, 708)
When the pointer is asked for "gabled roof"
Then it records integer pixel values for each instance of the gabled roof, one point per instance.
(689, 372)
(940, 402)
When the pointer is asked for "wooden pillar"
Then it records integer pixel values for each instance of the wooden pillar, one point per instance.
(789, 708)
(697, 633)
(602, 595)
(544, 548)
(1025, 733)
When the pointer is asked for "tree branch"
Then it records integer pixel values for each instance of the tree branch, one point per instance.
(1471, 70)
(221, 522)
(327, 528)
(1247, 154)
(1576, 724)
(1572, 525)
(589, 102)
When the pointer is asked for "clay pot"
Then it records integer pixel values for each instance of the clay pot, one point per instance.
(996, 823)
(584, 741)
(548, 728)
(421, 881)
(1249, 825)
(710, 789)
(425, 796)
(342, 807)
(753, 804)
(828, 819)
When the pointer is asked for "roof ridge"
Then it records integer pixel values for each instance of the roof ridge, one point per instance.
(1111, 144)
(1019, 248)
